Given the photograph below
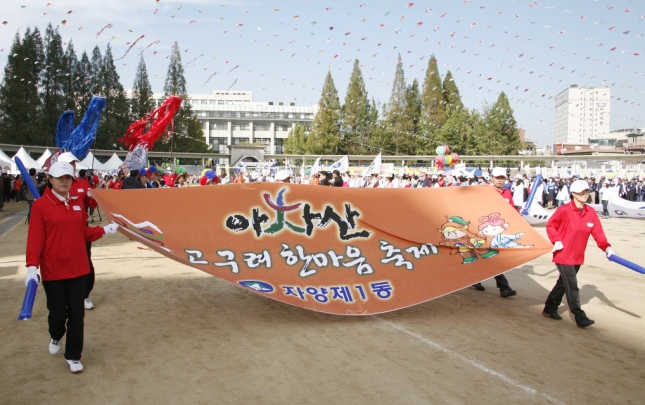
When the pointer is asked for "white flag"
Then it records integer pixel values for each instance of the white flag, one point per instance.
(342, 165)
(316, 167)
(288, 168)
(302, 169)
(374, 167)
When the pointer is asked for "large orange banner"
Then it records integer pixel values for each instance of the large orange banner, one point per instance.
(336, 250)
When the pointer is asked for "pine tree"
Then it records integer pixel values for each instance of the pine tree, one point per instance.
(500, 119)
(188, 135)
(397, 119)
(52, 82)
(115, 118)
(451, 93)
(20, 105)
(96, 64)
(356, 113)
(296, 142)
(83, 85)
(433, 103)
(459, 132)
(70, 97)
(142, 97)
(324, 137)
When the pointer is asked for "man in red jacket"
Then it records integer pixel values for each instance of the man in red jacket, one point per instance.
(498, 176)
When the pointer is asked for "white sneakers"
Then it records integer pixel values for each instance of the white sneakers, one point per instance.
(75, 366)
(54, 346)
(88, 304)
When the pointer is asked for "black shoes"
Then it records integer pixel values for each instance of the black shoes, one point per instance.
(585, 322)
(506, 292)
(479, 287)
(553, 315)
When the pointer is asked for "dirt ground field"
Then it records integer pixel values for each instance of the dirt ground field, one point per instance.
(164, 333)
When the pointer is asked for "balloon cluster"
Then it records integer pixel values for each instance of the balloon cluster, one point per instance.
(444, 157)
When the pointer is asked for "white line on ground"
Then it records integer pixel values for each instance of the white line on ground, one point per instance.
(473, 363)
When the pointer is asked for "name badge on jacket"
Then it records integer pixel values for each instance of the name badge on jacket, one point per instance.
(80, 190)
(590, 224)
(77, 208)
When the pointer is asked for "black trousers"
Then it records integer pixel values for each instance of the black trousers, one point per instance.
(67, 313)
(501, 281)
(567, 285)
(90, 277)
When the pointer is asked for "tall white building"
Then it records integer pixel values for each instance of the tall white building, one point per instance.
(582, 114)
(232, 117)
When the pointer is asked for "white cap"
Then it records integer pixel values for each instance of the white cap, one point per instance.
(424, 170)
(498, 171)
(67, 157)
(60, 169)
(579, 186)
(282, 175)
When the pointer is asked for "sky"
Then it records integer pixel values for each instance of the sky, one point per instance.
(282, 50)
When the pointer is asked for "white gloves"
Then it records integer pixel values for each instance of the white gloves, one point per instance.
(31, 275)
(111, 229)
(557, 246)
(609, 251)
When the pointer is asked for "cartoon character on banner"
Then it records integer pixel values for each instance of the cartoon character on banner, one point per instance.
(492, 225)
(456, 235)
(445, 158)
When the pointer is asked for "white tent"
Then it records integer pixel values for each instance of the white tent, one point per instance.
(91, 162)
(5, 161)
(43, 158)
(26, 160)
(113, 163)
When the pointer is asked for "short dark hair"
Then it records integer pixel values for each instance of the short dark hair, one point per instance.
(32, 172)
(82, 173)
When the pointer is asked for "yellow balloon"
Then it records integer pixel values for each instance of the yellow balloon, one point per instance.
(204, 171)
(448, 159)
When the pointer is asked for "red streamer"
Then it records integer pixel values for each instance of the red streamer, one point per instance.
(160, 119)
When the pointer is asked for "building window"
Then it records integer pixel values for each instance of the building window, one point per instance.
(279, 142)
(220, 102)
(237, 141)
(219, 145)
(265, 141)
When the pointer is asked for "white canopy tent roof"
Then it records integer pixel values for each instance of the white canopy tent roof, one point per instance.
(91, 162)
(43, 158)
(5, 161)
(113, 163)
(26, 160)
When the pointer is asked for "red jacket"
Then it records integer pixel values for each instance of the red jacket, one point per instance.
(507, 195)
(57, 236)
(571, 227)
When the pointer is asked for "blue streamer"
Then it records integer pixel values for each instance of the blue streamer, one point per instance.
(64, 128)
(81, 140)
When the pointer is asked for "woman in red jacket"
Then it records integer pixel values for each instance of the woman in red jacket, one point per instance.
(569, 229)
(56, 244)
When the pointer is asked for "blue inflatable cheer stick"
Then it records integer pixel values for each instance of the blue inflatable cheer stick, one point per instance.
(627, 263)
(32, 287)
(529, 201)
(28, 302)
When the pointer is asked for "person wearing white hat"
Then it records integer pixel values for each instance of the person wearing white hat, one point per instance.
(498, 175)
(569, 229)
(282, 176)
(57, 231)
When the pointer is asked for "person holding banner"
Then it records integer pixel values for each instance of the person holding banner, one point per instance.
(55, 239)
(569, 229)
(498, 175)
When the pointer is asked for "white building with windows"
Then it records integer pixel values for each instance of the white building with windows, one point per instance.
(582, 114)
(232, 118)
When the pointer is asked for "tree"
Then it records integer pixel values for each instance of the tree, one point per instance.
(501, 120)
(324, 137)
(83, 84)
(95, 71)
(20, 104)
(459, 132)
(188, 135)
(53, 97)
(296, 142)
(432, 98)
(142, 97)
(451, 93)
(115, 118)
(401, 125)
(356, 113)
(70, 96)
